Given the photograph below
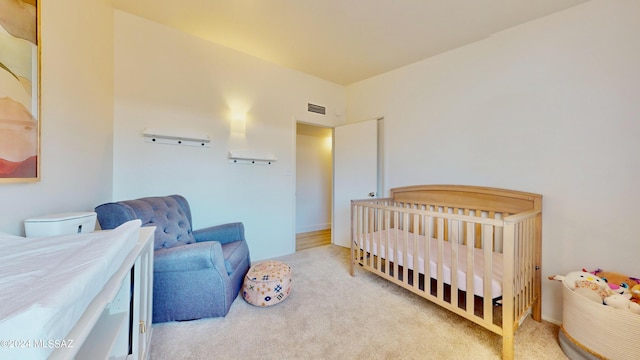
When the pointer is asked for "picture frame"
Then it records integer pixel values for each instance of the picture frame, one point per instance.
(19, 91)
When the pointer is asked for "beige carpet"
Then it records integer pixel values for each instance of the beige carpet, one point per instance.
(331, 315)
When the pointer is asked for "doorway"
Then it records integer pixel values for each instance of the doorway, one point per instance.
(314, 185)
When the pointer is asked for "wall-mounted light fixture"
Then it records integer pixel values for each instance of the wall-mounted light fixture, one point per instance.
(176, 137)
(238, 123)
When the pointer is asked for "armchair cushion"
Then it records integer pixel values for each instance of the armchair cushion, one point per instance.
(191, 257)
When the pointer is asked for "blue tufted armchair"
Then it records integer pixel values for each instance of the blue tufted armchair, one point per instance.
(196, 273)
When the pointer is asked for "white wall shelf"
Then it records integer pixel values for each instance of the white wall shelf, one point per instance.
(251, 158)
(174, 137)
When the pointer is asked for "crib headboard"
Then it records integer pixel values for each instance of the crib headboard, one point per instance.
(469, 197)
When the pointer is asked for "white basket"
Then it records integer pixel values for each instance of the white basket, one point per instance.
(601, 330)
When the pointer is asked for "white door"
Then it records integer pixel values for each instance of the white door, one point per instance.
(355, 173)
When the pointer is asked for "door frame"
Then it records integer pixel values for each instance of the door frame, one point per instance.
(381, 176)
(295, 173)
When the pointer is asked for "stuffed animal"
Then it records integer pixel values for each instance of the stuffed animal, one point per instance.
(635, 293)
(623, 302)
(585, 284)
(619, 283)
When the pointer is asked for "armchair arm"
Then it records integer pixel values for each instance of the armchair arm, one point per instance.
(191, 257)
(223, 233)
(112, 215)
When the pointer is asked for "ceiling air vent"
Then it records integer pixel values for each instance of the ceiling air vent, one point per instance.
(316, 109)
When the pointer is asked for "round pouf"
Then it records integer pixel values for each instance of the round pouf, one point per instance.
(267, 283)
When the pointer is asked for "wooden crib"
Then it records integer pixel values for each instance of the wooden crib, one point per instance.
(494, 234)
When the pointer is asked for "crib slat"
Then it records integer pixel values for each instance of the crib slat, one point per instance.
(487, 241)
(439, 270)
(427, 255)
(453, 244)
(367, 252)
(375, 240)
(478, 213)
(416, 251)
(393, 254)
(405, 252)
(524, 269)
(470, 266)
(387, 243)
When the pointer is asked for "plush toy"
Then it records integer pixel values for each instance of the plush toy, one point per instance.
(623, 302)
(585, 284)
(619, 283)
(635, 293)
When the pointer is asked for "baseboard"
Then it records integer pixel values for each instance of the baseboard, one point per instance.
(310, 228)
(551, 320)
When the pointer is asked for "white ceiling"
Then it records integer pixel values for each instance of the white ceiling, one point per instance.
(343, 41)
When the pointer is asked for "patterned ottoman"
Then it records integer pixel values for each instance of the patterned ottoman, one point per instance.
(267, 283)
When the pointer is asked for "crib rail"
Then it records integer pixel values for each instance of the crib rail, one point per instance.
(488, 243)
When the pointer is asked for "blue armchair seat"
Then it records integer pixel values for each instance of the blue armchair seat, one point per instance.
(197, 273)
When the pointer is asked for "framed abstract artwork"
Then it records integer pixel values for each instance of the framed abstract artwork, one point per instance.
(19, 91)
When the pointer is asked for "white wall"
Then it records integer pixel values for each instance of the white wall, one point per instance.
(313, 183)
(76, 115)
(168, 79)
(551, 107)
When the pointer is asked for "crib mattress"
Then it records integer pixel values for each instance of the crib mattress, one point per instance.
(478, 259)
(47, 283)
